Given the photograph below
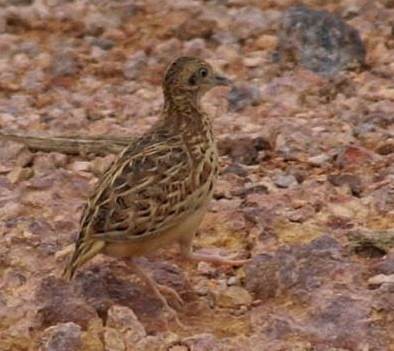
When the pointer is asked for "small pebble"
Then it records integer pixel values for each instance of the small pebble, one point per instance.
(113, 340)
(285, 181)
(61, 337)
(243, 95)
(81, 166)
(381, 279)
(206, 269)
(233, 281)
(319, 160)
(233, 297)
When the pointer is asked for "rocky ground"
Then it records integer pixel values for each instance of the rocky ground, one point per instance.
(306, 187)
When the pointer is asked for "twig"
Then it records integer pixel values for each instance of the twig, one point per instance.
(71, 144)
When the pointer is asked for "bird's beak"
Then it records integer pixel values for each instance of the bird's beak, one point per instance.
(220, 80)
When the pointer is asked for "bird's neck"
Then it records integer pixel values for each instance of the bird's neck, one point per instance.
(181, 100)
(184, 112)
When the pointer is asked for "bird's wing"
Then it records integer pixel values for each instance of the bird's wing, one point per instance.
(145, 192)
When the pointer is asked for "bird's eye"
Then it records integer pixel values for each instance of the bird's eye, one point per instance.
(203, 72)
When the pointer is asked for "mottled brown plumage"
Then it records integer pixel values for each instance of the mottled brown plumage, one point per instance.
(158, 189)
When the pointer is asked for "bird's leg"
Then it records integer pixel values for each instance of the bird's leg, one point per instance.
(157, 289)
(187, 252)
(170, 291)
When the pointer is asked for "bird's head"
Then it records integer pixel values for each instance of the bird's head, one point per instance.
(191, 76)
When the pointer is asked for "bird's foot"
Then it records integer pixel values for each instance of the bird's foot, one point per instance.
(171, 314)
(158, 289)
(172, 292)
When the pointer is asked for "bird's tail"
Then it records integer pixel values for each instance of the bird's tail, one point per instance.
(83, 252)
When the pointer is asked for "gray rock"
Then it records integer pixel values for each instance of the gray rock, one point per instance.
(96, 23)
(386, 148)
(124, 319)
(224, 37)
(204, 342)
(237, 169)
(285, 180)
(58, 304)
(34, 81)
(196, 28)
(244, 150)
(243, 95)
(262, 276)
(385, 266)
(319, 160)
(165, 49)
(195, 47)
(293, 269)
(103, 43)
(352, 181)
(249, 22)
(319, 40)
(29, 48)
(62, 337)
(64, 64)
(134, 64)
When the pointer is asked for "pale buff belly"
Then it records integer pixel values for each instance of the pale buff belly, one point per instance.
(147, 245)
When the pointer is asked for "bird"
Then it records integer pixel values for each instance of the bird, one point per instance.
(158, 189)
